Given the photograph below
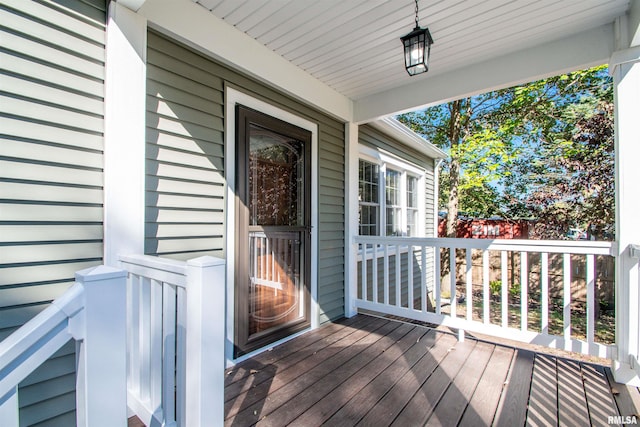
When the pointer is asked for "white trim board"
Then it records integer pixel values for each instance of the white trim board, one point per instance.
(232, 98)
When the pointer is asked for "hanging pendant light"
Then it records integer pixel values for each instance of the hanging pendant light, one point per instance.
(417, 47)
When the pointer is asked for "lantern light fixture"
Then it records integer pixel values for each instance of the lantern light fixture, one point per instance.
(417, 47)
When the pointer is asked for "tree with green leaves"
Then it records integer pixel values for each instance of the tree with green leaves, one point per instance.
(572, 183)
(542, 150)
(480, 151)
(565, 176)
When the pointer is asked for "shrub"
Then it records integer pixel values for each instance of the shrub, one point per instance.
(514, 290)
(495, 286)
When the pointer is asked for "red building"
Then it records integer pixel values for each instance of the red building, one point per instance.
(473, 228)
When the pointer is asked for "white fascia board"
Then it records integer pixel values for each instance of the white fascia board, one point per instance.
(580, 51)
(134, 5)
(406, 136)
(194, 25)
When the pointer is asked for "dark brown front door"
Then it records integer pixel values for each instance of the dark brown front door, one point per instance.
(273, 202)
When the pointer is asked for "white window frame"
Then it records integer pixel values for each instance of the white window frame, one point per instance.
(385, 161)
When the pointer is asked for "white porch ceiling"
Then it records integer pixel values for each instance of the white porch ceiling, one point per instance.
(353, 46)
(345, 56)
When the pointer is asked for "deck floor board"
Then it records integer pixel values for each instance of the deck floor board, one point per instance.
(424, 401)
(513, 404)
(599, 399)
(334, 378)
(483, 405)
(394, 401)
(397, 356)
(298, 382)
(459, 393)
(258, 373)
(543, 399)
(249, 403)
(572, 408)
(371, 371)
(627, 398)
(290, 352)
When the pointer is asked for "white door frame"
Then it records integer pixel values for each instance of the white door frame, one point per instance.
(232, 98)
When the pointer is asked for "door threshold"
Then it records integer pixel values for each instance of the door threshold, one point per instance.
(232, 362)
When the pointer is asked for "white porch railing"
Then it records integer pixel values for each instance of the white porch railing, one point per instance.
(175, 340)
(152, 343)
(402, 277)
(92, 313)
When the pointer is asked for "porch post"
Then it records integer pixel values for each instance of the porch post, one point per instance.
(351, 218)
(124, 141)
(625, 69)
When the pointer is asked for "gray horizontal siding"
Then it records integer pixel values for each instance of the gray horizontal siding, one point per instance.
(51, 143)
(185, 163)
(372, 137)
(47, 396)
(331, 220)
(184, 152)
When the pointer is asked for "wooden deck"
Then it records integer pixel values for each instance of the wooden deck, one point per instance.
(378, 372)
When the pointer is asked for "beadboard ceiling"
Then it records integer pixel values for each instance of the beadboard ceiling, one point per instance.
(354, 46)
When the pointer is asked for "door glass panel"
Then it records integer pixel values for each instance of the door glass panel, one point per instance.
(276, 297)
(276, 231)
(275, 163)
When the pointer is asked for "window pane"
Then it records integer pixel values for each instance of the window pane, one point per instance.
(412, 192)
(368, 182)
(393, 222)
(368, 220)
(393, 187)
(412, 222)
(368, 197)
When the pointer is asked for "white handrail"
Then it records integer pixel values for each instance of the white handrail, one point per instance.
(38, 339)
(548, 246)
(387, 254)
(156, 268)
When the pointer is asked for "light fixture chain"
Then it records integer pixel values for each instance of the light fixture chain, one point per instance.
(417, 14)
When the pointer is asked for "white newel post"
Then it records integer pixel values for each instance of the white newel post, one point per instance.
(625, 68)
(101, 384)
(205, 342)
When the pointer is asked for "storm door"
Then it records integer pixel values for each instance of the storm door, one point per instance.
(273, 230)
